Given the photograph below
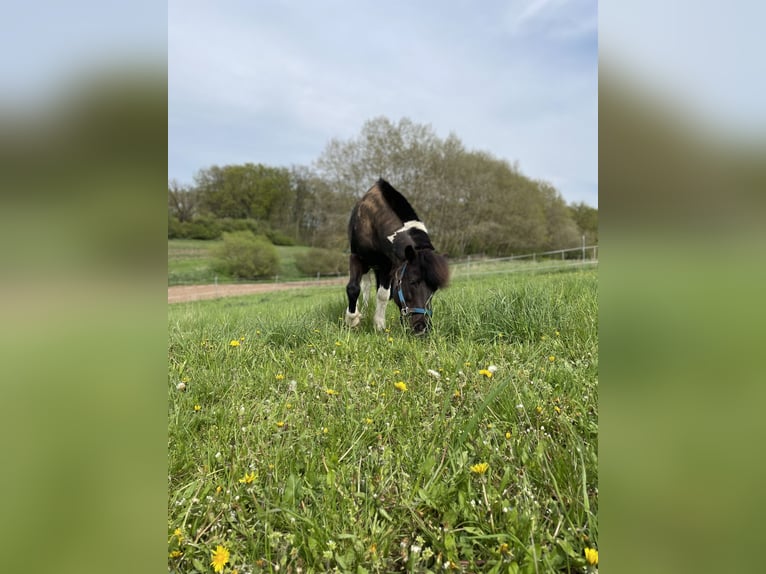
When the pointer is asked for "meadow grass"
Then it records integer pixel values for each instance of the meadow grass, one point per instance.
(190, 262)
(294, 448)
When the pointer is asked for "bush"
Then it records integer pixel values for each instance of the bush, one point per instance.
(245, 255)
(230, 224)
(174, 228)
(199, 228)
(202, 228)
(322, 261)
(279, 238)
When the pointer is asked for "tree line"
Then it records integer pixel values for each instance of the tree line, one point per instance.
(472, 202)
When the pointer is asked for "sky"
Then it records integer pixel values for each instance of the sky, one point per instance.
(273, 82)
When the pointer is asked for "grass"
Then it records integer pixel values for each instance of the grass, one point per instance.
(296, 451)
(190, 261)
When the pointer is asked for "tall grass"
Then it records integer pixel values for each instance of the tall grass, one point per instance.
(303, 454)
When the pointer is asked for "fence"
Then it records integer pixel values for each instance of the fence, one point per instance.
(584, 256)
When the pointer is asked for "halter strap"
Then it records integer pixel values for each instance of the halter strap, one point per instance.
(406, 310)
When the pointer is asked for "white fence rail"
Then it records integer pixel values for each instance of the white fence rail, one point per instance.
(575, 257)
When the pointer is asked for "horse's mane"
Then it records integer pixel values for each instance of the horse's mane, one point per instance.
(397, 202)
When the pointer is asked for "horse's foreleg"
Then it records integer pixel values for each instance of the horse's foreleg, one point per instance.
(381, 298)
(356, 270)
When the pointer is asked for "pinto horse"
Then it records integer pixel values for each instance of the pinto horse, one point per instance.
(387, 236)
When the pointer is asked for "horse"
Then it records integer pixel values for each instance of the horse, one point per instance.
(387, 236)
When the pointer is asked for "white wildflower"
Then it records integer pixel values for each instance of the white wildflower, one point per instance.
(434, 374)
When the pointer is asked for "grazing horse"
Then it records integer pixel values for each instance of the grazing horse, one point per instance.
(387, 236)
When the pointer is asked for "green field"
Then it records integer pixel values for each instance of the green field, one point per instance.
(306, 447)
(190, 261)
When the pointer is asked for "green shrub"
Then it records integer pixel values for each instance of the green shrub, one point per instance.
(231, 224)
(279, 238)
(174, 228)
(322, 261)
(202, 228)
(246, 256)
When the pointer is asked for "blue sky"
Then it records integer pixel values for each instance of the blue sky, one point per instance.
(273, 82)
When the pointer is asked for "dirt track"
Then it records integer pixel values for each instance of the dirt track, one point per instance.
(185, 293)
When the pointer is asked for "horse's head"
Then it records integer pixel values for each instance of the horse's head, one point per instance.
(414, 283)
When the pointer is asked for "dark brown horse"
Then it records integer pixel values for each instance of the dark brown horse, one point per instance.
(387, 236)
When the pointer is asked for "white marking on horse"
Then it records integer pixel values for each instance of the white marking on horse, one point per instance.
(353, 319)
(365, 286)
(381, 300)
(413, 224)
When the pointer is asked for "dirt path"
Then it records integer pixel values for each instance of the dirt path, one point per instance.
(185, 293)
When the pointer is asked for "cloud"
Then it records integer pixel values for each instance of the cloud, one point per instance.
(274, 85)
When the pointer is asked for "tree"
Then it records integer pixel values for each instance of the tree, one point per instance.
(182, 201)
(471, 201)
(586, 218)
(248, 191)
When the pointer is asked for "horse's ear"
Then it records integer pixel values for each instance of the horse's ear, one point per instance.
(409, 253)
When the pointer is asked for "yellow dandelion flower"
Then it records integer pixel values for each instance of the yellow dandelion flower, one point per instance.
(325, 430)
(557, 333)
(507, 436)
(218, 489)
(373, 548)
(368, 421)
(248, 478)
(551, 358)
(401, 386)
(242, 338)
(456, 394)
(591, 556)
(197, 408)
(486, 372)
(280, 424)
(539, 410)
(280, 376)
(500, 335)
(489, 425)
(558, 410)
(397, 372)
(331, 391)
(504, 549)
(220, 557)
(338, 343)
(480, 468)
(390, 339)
(176, 554)
(234, 343)
(467, 363)
(178, 534)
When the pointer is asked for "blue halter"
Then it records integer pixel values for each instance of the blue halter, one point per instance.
(406, 310)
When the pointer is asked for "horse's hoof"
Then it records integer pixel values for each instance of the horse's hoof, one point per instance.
(353, 319)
